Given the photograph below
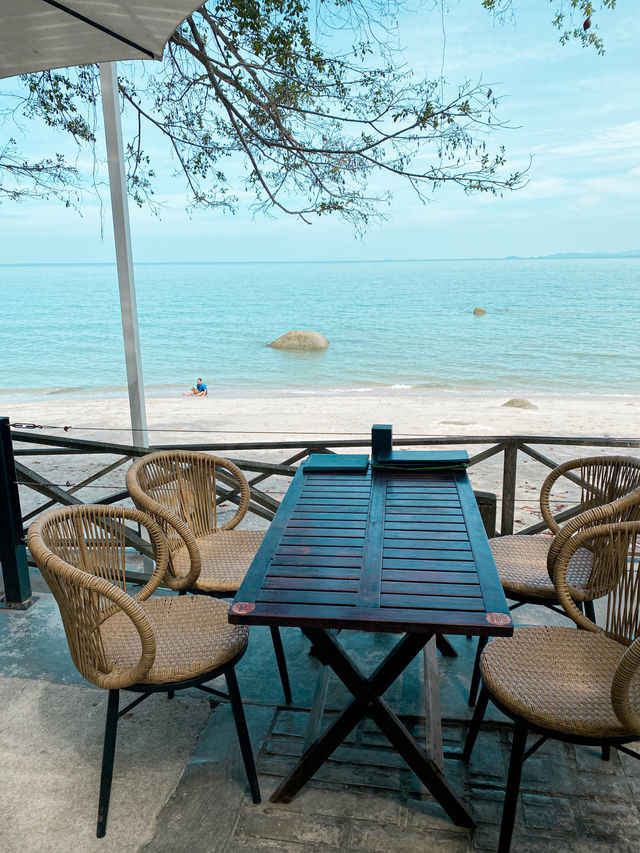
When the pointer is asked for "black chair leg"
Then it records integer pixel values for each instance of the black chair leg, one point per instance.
(108, 753)
(475, 678)
(476, 722)
(243, 734)
(606, 752)
(589, 610)
(170, 694)
(282, 663)
(513, 786)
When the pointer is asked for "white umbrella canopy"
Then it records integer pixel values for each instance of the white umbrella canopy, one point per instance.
(38, 35)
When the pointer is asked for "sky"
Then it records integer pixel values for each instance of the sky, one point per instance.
(573, 114)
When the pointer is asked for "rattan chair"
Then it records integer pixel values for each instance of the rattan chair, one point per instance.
(582, 686)
(120, 641)
(182, 490)
(526, 563)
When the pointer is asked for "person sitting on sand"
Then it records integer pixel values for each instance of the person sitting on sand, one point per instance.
(200, 390)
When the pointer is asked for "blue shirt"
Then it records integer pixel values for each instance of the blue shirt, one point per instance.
(201, 386)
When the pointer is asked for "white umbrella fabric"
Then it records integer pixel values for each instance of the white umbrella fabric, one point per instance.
(37, 35)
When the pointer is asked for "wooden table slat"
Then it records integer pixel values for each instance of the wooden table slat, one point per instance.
(302, 560)
(329, 550)
(393, 547)
(434, 576)
(304, 515)
(296, 596)
(318, 572)
(392, 551)
(432, 535)
(427, 588)
(415, 513)
(334, 541)
(311, 583)
(443, 524)
(423, 553)
(432, 602)
(325, 524)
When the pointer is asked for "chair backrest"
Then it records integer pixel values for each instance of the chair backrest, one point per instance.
(602, 479)
(616, 549)
(81, 552)
(610, 534)
(191, 486)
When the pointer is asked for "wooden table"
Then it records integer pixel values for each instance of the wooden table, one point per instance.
(386, 550)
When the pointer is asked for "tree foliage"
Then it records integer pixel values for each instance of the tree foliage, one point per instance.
(571, 17)
(314, 101)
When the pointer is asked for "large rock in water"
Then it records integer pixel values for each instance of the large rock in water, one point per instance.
(479, 311)
(299, 339)
(519, 403)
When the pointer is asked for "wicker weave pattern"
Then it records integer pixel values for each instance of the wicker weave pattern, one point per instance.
(526, 564)
(603, 479)
(117, 640)
(226, 557)
(179, 489)
(81, 554)
(581, 682)
(192, 635)
(522, 565)
(559, 678)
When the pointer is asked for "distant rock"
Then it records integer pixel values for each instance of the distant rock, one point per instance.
(479, 312)
(299, 339)
(519, 403)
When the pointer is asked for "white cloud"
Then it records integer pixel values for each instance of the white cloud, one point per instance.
(619, 141)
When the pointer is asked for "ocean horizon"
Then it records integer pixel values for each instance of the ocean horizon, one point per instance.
(552, 326)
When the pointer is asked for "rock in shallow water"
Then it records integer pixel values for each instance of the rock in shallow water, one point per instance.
(299, 339)
(479, 312)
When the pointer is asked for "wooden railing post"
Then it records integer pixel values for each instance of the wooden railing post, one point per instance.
(509, 473)
(13, 553)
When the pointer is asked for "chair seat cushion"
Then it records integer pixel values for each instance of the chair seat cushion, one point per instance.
(557, 678)
(522, 565)
(192, 633)
(226, 557)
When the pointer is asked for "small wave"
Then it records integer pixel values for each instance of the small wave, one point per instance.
(401, 387)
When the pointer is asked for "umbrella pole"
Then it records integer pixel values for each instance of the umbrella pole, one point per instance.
(124, 258)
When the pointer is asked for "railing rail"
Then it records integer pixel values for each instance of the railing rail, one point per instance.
(513, 448)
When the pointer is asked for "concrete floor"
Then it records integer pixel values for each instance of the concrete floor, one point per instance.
(179, 784)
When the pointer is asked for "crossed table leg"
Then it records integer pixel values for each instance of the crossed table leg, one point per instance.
(368, 702)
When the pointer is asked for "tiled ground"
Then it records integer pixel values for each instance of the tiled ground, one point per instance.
(365, 799)
(192, 797)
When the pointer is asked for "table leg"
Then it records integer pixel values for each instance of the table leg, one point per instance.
(317, 708)
(444, 647)
(432, 713)
(368, 701)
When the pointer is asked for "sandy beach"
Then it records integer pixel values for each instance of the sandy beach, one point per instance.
(304, 417)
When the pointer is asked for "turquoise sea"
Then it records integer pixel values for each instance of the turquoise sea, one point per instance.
(551, 325)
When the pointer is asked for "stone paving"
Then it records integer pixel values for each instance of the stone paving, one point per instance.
(366, 800)
(192, 797)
